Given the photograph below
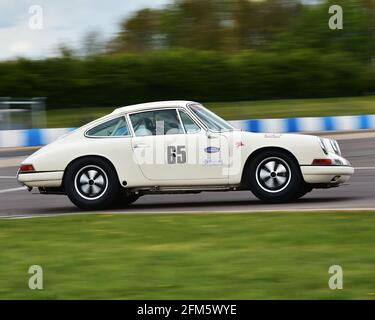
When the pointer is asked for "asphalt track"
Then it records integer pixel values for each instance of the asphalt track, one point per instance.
(358, 194)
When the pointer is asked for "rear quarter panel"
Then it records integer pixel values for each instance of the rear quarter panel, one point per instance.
(58, 155)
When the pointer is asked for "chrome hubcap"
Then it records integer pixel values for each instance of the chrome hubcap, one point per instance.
(91, 182)
(273, 174)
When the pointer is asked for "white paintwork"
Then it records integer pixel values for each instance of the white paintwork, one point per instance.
(325, 175)
(223, 168)
(42, 179)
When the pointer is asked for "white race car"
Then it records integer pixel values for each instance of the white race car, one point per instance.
(179, 147)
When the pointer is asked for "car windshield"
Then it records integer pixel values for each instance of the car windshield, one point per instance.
(210, 119)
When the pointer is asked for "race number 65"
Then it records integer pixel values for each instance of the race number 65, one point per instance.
(176, 154)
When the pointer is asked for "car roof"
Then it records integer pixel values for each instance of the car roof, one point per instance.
(152, 105)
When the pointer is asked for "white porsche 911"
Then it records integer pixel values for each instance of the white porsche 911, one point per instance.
(179, 147)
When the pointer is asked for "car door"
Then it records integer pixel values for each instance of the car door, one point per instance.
(170, 148)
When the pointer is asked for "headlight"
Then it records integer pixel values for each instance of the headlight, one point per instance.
(336, 147)
(323, 146)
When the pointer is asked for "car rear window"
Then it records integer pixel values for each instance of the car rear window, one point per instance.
(112, 128)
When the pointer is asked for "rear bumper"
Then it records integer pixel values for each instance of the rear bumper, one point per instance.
(331, 175)
(41, 179)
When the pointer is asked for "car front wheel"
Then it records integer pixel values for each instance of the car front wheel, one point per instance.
(91, 184)
(274, 176)
(125, 199)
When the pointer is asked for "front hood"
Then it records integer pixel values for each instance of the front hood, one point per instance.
(290, 137)
(305, 148)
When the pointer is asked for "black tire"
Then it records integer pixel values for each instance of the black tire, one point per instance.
(302, 192)
(125, 199)
(274, 176)
(91, 183)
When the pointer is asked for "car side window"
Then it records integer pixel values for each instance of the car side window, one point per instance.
(156, 123)
(112, 128)
(188, 123)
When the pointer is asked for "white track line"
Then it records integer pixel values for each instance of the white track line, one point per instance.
(7, 177)
(152, 213)
(13, 189)
(365, 168)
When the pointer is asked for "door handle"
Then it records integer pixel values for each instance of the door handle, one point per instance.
(141, 145)
(211, 136)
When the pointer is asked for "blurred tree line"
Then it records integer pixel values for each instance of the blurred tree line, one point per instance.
(210, 50)
(226, 25)
(233, 25)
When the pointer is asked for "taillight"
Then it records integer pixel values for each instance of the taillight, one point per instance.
(322, 162)
(26, 168)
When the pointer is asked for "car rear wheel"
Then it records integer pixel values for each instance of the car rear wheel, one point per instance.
(274, 176)
(91, 184)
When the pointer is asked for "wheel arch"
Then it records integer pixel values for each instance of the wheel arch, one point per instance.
(109, 162)
(260, 150)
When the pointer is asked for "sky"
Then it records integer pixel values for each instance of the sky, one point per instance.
(63, 21)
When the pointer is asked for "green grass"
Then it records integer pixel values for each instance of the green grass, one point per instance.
(241, 110)
(207, 256)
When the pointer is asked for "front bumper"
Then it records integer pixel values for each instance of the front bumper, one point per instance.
(41, 179)
(330, 175)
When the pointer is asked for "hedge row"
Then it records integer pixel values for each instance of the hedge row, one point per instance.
(201, 76)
